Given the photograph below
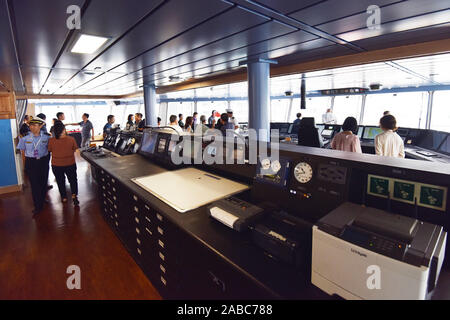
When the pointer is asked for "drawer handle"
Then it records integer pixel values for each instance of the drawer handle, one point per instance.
(136, 219)
(162, 256)
(139, 251)
(114, 198)
(162, 268)
(116, 215)
(161, 231)
(163, 281)
(138, 241)
(104, 194)
(161, 244)
(135, 198)
(138, 231)
(114, 189)
(115, 207)
(103, 179)
(104, 188)
(160, 218)
(104, 202)
(147, 208)
(146, 229)
(148, 219)
(103, 172)
(136, 209)
(113, 181)
(117, 224)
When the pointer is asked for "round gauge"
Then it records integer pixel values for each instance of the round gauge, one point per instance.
(276, 166)
(303, 172)
(265, 164)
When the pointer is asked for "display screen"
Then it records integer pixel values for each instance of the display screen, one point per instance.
(320, 127)
(360, 132)
(327, 133)
(162, 145)
(371, 132)
(431, 139)
(445, 146)
(149, 142)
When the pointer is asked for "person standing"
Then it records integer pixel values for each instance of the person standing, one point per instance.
(35, 147)
(180, 120)
(212, 119)
(232, 119)
(86, 129)
(189, 124)
(347, 140)
(25, 127)
(298, 120)
(130, 123)
(329, 117)
(140, 123)
(63, 148)
(44, 118)
(389, 143)
(110, 121)
(195, 119)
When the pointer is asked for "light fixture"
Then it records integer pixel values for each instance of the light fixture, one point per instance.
(87, 44)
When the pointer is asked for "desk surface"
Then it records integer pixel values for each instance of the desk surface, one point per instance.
(232, 246)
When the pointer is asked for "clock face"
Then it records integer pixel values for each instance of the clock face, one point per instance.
(265, 164)
(276, 166)
(303, 172)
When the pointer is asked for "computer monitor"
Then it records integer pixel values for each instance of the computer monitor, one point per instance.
(327, 133)
(371, 132)
(445, 146)
(360, 131)
(430, 139)
(320, 127)
(148, 142)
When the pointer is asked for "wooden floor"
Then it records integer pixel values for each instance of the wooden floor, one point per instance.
(35, 253)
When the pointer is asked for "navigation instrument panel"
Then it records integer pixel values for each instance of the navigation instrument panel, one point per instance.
(274, 171)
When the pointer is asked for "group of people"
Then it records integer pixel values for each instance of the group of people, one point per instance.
(226, 121)
(388, 143)
(39, 146)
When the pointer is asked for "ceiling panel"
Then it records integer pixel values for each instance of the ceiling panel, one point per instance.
(41, 29)
(121, 16)
(389, 13)
(171, 19)
(336, 9)
(436, 18)
(287, 6)
(232, 58)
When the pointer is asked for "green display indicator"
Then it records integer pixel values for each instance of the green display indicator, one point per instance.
(433, 197)
(404, 191)
(378, 186)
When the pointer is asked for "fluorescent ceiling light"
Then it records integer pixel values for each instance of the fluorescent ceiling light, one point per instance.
(88, 44)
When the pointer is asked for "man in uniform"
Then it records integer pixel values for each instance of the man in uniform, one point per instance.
(34, 145)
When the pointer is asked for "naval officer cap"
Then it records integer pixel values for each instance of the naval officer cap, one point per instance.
(37, 120)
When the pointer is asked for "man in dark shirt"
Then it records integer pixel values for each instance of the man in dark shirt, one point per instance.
(298, 120)
(180, 120)
(140, 123)
(43, 117)
(25, 127)
(108, 125)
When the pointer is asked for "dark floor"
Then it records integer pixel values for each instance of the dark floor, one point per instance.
(35, 253)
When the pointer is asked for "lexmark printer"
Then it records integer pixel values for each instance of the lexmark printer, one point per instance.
(353, 241)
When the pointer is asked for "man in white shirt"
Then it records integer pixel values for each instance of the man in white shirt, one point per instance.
(174, 124)
(329, 117)
(232, 119)
(389, 143)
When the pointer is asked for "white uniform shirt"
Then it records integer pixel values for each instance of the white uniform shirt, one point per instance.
(329, 118)
(389, 144)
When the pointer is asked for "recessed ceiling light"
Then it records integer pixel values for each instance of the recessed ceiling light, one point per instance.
(88, 44)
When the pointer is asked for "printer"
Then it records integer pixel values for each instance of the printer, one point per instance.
(366, 253)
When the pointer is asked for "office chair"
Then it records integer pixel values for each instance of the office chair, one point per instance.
(308, 135)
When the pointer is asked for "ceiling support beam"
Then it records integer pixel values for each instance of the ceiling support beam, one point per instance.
(382, 55)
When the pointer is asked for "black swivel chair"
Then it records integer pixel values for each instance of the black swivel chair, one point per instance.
(308, 135)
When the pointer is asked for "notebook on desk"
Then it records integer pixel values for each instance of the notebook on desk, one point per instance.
(190, 188)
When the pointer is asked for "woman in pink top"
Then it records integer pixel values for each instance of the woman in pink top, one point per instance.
(347, 140)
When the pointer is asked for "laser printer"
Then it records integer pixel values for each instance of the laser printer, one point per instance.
(366, 253)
